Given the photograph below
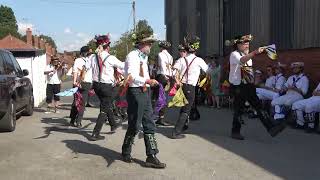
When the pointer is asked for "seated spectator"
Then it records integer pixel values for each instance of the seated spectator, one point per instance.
(295, 88)
(274, 83)
(310, 107)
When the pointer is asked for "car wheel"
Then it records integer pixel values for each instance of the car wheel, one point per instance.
(9, 120)
(29, 109)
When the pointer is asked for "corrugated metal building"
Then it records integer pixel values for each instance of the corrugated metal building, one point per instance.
(291, 24)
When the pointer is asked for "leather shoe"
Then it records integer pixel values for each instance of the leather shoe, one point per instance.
(153, 162)
(237, 136)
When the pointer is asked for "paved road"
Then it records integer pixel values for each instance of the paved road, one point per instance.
(44, 147)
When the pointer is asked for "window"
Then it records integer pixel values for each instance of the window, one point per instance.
(9, 67)
(16, 65)
(1, 64)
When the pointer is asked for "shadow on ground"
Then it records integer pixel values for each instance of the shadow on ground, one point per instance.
(93, 149)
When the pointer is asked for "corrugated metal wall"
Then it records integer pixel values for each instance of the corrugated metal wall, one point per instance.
(260, 22)
(306, 24)
(282, 23)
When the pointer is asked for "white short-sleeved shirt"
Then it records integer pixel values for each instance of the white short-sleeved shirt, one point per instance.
(79, 64)
(299, 81)
(110, 62)
(270, 82)
(134, 60)
(280, 80)
(192, 76)
(165, 61)
(235, 68)
(53, 77)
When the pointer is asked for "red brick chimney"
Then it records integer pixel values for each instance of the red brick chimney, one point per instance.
(36, 41)
(29, 36)
(42, 44)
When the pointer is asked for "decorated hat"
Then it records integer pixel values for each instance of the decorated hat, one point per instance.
(239, 40)
(258, 72)
(280, 65)
(181, 47)
(297, 64)
(143, 36)
(84, 49)
(192, 43)
(164, 44)
(102, 39)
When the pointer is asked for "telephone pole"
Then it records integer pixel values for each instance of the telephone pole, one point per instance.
(134, 15)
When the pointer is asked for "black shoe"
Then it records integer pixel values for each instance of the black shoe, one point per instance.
(177, 136)
(96, 137)
(309, 130)
(297, 126)
(185, 127)
(161, 122)
(275, 130)
(89, 105)
(153, 162)
(253, 116)
(114, 128)
(73, 124)
(126, 158)
(78, 125)
(237, 136)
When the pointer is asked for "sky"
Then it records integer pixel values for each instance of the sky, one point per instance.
(72, 23)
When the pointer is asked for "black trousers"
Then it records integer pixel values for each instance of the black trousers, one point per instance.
(189, 92)
(140, 113)
(241, 94)
(75, 115)
(51, 90)
(105, 93)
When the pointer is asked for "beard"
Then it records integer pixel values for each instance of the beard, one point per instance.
(246, 51)
(147, 51)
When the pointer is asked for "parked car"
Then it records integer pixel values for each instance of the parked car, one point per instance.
(16, 92)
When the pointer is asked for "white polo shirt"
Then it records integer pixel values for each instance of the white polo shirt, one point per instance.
(235, 67)
(134, 60)
(165, 61)
(192, 76)
(270, 82)
(280, 80)
(107, 74)
(79, 64)
(53, 77)
(299, 81)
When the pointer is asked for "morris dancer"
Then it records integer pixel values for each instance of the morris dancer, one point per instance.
(243, 89)
(139, 101)
(103, 65)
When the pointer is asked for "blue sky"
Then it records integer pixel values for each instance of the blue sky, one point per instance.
(72, 23)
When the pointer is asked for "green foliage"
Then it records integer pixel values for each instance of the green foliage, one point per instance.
(8, 22)
(92, 45)
(49, 40)
(4, 31)
(7, 18)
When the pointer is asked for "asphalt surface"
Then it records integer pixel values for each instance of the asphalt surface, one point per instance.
(44, 147)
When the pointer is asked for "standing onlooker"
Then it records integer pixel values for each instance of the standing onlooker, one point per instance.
(54, 72)
(215, 83)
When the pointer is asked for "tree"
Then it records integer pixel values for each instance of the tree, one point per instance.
(49, 40)
(8, 22)
(92, 44)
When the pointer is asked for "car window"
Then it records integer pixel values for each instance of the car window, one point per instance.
(1, 64)
(9, 67)
(16, 64)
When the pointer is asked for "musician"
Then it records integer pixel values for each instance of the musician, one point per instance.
(54, 72)
(182, 51)
(243, 88)
(295, 88)
(274, 83)
(310, 107)
(82, 78)
(164, 75)
(139, 101)
(103, 69)
(188, 72)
